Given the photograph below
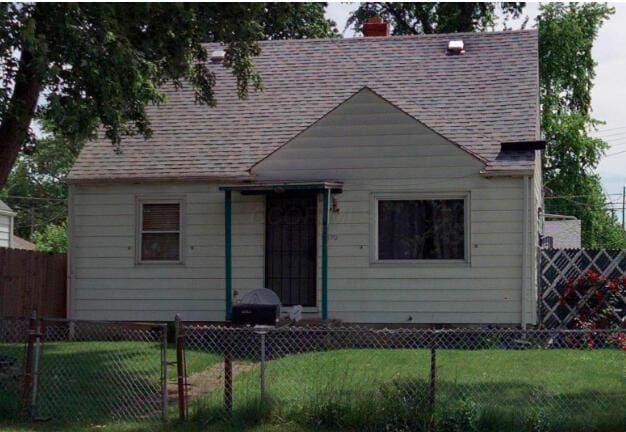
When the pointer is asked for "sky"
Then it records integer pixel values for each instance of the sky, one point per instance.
(608, 96)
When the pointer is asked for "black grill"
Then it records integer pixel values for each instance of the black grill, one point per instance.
(255, 314)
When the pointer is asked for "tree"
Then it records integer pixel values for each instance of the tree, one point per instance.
(567, 70)
(36, 188)
(297, 21)
(52, 238)
(99, 64)
(89, 93)
(435, 17)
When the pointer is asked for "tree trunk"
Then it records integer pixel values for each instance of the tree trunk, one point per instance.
(16, 122)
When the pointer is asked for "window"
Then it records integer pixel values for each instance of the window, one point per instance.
(160, 231)
(420, 229)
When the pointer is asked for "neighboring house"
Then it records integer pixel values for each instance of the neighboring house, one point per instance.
(377, 180)
(562, 232)
(7, 238)
(6, 225)
(20, 243)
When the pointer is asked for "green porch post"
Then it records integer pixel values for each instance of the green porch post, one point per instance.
(228, 259)
(325, 254)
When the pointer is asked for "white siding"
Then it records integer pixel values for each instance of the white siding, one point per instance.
(374, 148)
(536, 222)
(107, 284)
(5, 230)
(370, 146)
(565, 233)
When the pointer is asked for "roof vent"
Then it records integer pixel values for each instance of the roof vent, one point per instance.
(217, 56)
(456, 47)
(375, 26)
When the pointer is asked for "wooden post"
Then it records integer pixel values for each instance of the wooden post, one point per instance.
(164, 404)
(28, 366)
(180, 368)
(432, 394)
(262, 334)
(35, 369)
(228, 382)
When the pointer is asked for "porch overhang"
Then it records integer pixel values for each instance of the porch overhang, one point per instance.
(283, 186)
(326, 188)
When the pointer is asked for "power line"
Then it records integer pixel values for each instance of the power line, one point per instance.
(33, 198)
(579, 196)
(612, 134)
(612, 143)
(615, 154)
(611, 128)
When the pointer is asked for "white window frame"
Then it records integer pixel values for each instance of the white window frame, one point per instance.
(139, 203)
(419, 196)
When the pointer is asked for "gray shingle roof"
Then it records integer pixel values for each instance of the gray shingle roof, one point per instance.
(478, 100)
(5, 208)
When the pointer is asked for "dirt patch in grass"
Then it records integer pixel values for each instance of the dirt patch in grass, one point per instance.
(203, 382)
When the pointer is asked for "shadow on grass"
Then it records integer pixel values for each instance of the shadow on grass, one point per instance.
(11, 386)
(403, 405)
(97, 381)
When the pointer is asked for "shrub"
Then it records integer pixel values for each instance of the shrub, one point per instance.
(603, 297)
(53, 238)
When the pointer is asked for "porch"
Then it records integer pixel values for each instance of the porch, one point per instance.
(291, 233)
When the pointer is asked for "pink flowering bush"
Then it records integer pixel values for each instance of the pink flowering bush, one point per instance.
(595, 300)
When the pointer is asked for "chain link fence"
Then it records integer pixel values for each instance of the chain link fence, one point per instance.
(356, 378)
(13, 342)
(85, 371)
(315, 377)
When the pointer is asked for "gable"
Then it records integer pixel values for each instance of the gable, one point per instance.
(365, 131)
(470, 99)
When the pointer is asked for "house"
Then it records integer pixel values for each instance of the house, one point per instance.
(562, 232)
(22, 243)
(374, 180)
(8, 238)
(6, 225)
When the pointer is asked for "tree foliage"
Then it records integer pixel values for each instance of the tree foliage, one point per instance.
(435, 17)
(102, 63)
(297, 21)
(36, 188)
(52, 238)
(99, 64)
(567, 70)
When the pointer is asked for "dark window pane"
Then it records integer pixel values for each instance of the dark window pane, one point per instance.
(161, 217)
(421, 229)
(160, 247)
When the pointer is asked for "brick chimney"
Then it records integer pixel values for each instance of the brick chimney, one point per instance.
(375, 26)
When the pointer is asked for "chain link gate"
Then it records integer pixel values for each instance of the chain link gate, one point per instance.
(93, 371)
(84, 371)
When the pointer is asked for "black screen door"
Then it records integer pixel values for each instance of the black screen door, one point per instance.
(290, 247)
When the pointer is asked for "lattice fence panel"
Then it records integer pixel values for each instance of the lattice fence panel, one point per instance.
(560, 266)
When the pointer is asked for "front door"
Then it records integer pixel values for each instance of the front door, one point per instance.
(290, 247)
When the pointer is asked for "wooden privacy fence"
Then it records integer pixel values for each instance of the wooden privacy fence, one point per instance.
(559, 267)
(31, 280)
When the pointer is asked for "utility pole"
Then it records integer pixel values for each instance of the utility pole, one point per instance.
(624, 208)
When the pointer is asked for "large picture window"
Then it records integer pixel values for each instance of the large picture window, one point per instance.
(160, 231)
(420, 229)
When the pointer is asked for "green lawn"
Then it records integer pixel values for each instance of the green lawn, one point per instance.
(95, 380)
(560, 390)
(378, 390)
